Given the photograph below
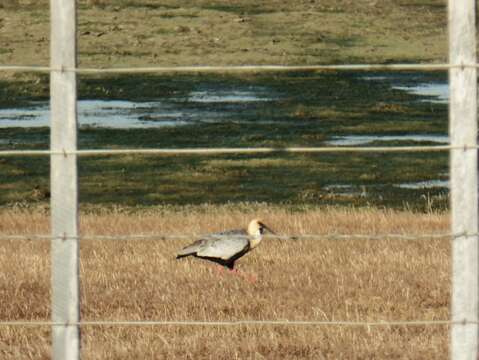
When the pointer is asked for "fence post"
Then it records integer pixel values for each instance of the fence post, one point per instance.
(463, 167)
(64, 182)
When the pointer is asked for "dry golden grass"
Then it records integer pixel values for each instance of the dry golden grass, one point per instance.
(296, 280)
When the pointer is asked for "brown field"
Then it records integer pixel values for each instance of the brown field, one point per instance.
(351, 280)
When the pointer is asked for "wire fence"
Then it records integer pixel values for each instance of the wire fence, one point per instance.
(65, 321)
(244, 323)
(299, 237)
(219, 151)
(241, 68)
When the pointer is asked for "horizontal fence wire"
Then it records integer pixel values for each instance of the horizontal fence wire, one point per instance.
(218, 151)
(238, 68)
(240, 323)
(163, 237)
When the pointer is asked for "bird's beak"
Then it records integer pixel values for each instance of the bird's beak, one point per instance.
(269, 230)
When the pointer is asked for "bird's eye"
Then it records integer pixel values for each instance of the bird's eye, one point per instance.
(261, 230)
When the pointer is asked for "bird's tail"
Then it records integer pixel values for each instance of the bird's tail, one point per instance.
(189, 250)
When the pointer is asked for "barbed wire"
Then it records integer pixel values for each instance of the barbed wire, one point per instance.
(216, 151)
(240, 323)
(167, 237)
(239, 68)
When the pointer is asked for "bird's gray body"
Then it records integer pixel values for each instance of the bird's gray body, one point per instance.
(226, 247)
(223, 248)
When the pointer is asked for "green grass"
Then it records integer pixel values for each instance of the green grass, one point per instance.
(136, 180)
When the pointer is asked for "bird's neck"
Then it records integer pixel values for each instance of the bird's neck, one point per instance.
(254, 241)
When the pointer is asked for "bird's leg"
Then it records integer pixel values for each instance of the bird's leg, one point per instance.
(234, 272)
(219, 269)
(250, 277)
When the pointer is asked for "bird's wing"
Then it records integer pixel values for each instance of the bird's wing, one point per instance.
(224, 246)
(193, 248)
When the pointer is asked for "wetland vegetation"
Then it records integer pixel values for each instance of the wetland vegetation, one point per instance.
(279, 110)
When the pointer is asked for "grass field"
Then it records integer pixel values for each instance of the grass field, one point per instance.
(221, 32)
(355, 280)
(351, 280)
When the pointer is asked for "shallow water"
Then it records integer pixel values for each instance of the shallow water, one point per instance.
(362, 189)
(352, 140)
(430, 184)
(101, 113)
(172, 111)
(235, 96)
(438, 91)
(297, 110)
(123, 114)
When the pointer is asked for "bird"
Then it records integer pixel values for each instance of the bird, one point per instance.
(226, 247)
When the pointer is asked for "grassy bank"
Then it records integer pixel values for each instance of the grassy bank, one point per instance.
(355, 280)
(219, 32)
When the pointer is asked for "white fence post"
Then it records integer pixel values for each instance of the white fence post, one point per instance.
(64, 182)
(463, 167)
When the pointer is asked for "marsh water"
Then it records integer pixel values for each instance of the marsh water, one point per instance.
(218, 106)
(327, 110)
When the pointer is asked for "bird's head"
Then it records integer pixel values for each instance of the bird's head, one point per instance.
(257, 228)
